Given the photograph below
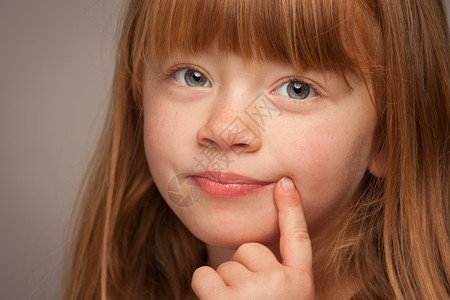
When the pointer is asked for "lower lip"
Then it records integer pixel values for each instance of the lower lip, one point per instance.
(230, 190)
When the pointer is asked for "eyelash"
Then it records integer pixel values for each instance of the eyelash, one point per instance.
(170, 73)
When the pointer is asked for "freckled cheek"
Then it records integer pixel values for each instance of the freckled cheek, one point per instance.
(160, 119)
(328, 167)
(159, 136)
(317, 161)
(169, 132)
(310, 154)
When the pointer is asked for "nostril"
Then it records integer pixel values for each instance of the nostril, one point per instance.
(241, 145)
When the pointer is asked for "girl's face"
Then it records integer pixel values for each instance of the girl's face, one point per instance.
(226, 130)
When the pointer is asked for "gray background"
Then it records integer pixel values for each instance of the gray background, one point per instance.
(56, 64)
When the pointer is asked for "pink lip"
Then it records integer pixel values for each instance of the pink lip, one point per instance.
(230, 185)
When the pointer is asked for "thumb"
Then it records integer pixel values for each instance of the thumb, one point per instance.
(295, 244)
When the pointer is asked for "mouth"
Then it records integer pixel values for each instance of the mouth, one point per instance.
(228, 185)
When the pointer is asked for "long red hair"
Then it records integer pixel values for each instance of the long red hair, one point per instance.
(395, 240)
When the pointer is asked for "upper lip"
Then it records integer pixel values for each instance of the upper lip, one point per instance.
(229, 178)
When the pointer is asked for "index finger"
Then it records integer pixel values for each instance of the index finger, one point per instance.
(295, 243)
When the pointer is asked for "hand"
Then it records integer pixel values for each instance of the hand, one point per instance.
(254, 272)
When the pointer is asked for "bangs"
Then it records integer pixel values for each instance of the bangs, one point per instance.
(333, 35)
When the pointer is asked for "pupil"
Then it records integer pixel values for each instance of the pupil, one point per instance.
(196, 76)
(297, 88)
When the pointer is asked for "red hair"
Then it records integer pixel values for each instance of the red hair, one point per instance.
(395, 240)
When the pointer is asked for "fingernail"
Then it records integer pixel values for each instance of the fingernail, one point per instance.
(287, 185)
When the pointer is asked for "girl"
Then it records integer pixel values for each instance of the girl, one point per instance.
(311, 136)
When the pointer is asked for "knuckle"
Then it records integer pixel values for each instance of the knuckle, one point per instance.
(245, 251)
(199, 273)
(248, 248)
(224, 267)
(300, 234)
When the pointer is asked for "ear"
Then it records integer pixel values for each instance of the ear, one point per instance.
(377, 163)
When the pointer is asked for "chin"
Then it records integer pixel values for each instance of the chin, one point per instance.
(232, 234)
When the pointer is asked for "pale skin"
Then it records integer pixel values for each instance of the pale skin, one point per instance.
(259, 246)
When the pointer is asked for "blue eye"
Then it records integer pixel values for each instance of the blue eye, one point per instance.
(298, 90)
(191, 77)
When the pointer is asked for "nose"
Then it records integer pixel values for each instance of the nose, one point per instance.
(230, 130)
